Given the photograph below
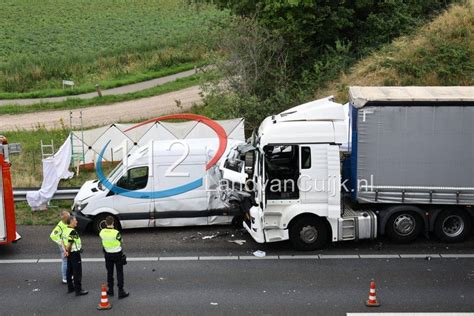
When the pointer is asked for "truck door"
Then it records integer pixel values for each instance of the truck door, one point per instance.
(135, 211)
(281, 172)
(319, 179)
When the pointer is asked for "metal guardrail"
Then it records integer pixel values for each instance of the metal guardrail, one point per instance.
(19, 194)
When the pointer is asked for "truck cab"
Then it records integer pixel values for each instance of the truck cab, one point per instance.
(292, 170)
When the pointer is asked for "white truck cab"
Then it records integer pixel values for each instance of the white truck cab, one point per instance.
(294, 174)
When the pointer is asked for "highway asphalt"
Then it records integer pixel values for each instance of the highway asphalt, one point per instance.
(189, 271)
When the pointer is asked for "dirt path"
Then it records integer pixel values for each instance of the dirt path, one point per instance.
(115, 91)
(107, 114)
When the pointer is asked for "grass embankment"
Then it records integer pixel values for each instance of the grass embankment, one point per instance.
(439, 54)
(24, 215)
(107, 42)
(73, 103)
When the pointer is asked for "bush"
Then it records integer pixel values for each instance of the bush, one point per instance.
(253, 74)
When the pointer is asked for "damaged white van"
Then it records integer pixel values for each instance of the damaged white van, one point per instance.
(165, 183)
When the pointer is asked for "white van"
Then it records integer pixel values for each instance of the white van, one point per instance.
(170, 187)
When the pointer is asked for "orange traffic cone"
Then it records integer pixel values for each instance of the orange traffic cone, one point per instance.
(104, 299)
(372, 301)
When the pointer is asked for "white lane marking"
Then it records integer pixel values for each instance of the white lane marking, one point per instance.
(49, 260)
(416, 256)
(385, 256)
(92, 259)
(143, 259)
(20, 261)
(460, 255)
(179, 258)
(282, 257)
(339, 256)
(411, 314)
(219, 258)
(258, 258)
(299, 257)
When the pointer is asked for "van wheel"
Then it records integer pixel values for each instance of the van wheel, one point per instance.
(452, 225)
(308, 233)
(99, 222)
(238, 221)
(404, 227)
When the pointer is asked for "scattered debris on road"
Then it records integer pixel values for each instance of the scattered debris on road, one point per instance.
(239, 242)
(259, 253)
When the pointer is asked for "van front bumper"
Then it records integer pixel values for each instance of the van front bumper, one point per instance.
(82, 220)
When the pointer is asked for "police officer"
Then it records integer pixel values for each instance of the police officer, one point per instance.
(112, 244)
(57, 236)
(73, 246)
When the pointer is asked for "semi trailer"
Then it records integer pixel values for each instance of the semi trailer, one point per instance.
(408, 170)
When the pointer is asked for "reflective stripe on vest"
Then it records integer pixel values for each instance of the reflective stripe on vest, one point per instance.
(74, 239)
(109, 240)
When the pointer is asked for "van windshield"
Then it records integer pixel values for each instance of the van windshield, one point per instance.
(117, 171)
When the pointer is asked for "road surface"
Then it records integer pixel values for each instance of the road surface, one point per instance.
(189, 271)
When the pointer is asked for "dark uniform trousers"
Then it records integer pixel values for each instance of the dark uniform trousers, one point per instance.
(74, 268)
(111, 260)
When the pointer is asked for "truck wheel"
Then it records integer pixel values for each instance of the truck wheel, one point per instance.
(404, 227)
(99, 222)
(308, 233)
(452, 225)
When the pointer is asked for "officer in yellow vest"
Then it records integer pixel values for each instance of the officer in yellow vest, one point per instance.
(112, 244)
(73, 246)
(57, 236)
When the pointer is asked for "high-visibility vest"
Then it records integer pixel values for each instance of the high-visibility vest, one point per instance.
(71, 235)
(57, 233)
(111, 240)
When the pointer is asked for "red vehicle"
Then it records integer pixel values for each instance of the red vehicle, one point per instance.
(8, 232)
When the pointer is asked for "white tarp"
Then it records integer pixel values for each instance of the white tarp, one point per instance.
(87, 144)
(55, 168)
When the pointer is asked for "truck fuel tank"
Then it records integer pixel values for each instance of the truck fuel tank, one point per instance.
(355, 225)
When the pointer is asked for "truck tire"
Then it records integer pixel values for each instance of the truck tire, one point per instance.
(452, 225)
(308, 233)
(99, 222)
(404, 227)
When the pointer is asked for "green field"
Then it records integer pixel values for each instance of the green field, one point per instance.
(107, 41)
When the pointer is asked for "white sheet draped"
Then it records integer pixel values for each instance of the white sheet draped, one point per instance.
(55, 168)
